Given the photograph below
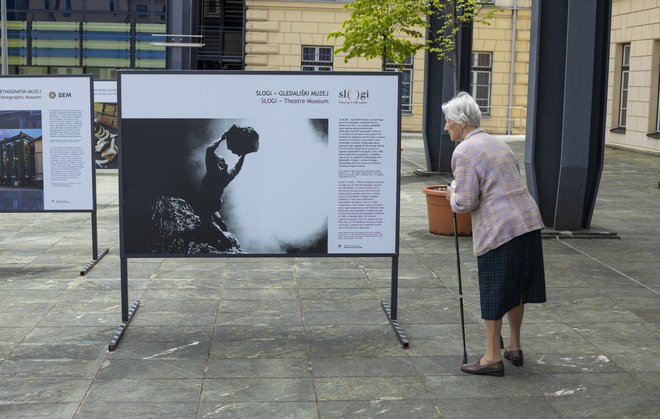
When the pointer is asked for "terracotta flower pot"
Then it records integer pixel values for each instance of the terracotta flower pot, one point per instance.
(440, 214)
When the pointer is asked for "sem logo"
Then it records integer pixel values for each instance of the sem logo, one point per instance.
(354, 94)
(53, 95)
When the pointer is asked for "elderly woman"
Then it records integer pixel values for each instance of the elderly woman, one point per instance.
(506, 230)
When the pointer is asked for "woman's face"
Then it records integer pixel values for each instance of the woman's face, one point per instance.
(455, 130)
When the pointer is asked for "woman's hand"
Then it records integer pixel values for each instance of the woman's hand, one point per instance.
(450, 192)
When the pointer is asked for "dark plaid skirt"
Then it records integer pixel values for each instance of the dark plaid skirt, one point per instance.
(510, 275)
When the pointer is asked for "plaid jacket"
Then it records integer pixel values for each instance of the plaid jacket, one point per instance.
(490, 187)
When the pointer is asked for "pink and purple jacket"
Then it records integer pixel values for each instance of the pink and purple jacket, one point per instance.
(490, 187)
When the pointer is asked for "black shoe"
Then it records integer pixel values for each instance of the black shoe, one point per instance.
(516, 357)
(494, 368)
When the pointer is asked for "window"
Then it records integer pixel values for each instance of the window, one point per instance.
(482, 70)
(623, 91)
(316, 59)
(406, 81)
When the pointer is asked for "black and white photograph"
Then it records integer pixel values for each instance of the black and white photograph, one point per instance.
(258, 164)
(21, 157)
(225, 186)
(106, 125)
(106, 135)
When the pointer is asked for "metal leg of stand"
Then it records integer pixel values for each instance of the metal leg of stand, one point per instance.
(96, 256)
(114, 342)
(400, 334)
(126, 312)
(391, 313)
(85, 270)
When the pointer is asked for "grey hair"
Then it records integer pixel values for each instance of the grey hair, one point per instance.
(463, 110)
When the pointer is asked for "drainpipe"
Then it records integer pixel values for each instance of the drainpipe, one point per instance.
(511, 67)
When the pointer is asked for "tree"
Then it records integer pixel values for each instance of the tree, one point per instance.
(375, 28)
(395, 29)
(446, 19)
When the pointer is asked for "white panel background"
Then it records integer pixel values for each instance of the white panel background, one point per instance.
(78, 195)
(232, 95)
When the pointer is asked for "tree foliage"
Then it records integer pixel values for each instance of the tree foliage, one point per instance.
(395, 29)
(375, 28)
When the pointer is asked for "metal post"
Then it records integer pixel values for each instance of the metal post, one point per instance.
(180, 18)
(512, 64)
(464, 40)
(123, 277)
(5, 50)
(391, 312)
(126, 312)
(569, 53)
(439, 88)
(436, 76)
(95, 241)
(394, 292)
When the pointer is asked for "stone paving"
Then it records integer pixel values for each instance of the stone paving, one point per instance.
(307, 337)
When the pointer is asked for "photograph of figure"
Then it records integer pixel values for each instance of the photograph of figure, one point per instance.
(106, 135)
(225, 186)
(21, 160)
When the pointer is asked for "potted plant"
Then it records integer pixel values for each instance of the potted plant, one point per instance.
(440, 213)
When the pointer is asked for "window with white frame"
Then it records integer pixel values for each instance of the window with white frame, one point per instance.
(316, 59)
(623, 90)
(406, 70)
(482, 71)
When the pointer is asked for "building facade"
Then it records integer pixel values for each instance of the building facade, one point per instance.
(101, 36)
(84, 37)
(292, 36)
(633, 105)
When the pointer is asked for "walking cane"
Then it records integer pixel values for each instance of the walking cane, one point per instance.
(460, 287)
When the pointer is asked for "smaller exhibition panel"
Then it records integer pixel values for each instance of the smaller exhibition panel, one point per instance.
(106, 125)
(257, 164)
(45, 136)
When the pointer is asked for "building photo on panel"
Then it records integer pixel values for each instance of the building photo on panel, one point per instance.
(21, 156)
